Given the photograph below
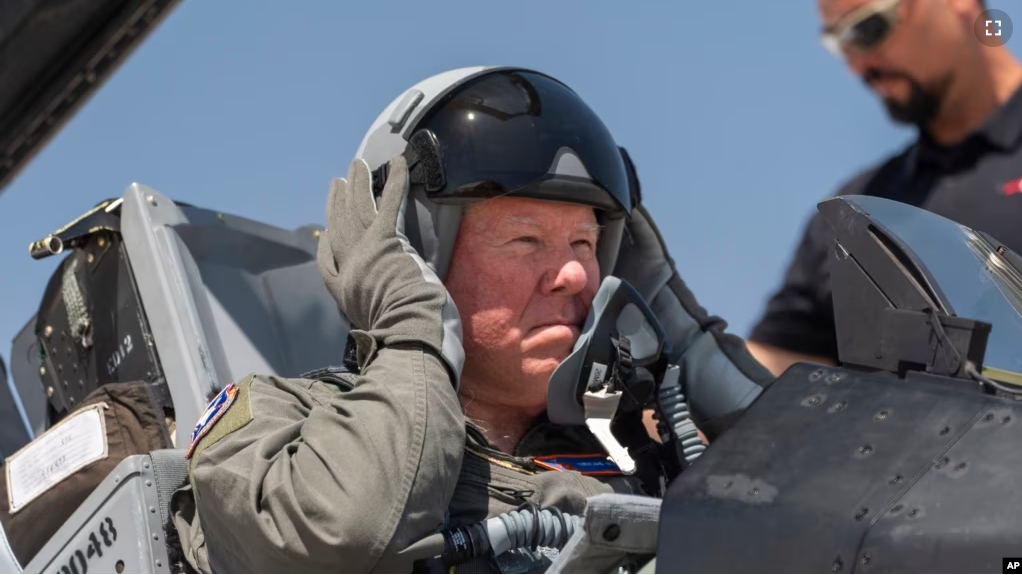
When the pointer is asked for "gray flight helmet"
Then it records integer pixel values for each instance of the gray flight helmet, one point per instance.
(499, 131)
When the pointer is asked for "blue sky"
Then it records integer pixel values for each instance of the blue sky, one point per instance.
(738, 120)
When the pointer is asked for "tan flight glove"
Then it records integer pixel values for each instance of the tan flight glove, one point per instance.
(380, 282)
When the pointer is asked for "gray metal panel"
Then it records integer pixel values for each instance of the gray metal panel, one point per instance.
(24, 371)
(313, 330)
(116, 530)
(226, 296)
(273, 312)
(243, 355)
(178, 313)
(282, 321)
(231, 265)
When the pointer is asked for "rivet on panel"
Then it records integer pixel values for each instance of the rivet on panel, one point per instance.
(838, 406)
(813, 400)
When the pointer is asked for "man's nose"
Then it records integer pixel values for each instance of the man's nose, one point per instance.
(856, 64)
(859, 62)
(569, 278)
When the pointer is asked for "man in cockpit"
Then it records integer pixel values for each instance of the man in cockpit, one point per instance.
(458, 325)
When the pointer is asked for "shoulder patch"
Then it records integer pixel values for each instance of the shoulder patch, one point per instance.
(214, 411)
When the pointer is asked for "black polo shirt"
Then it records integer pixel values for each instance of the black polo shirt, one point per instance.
(977, 182)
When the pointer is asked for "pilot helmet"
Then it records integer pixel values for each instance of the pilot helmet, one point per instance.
(483, 132)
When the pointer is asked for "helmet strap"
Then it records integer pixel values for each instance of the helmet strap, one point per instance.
(432, 229)
(610, 242)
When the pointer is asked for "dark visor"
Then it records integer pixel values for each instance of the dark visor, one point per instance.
(500, 134)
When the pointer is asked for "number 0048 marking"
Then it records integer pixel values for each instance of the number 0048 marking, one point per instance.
(79, 560)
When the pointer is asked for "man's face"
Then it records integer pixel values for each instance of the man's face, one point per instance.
(523, 276)
(912, 67)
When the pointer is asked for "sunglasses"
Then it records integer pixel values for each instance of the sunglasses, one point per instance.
(862, 30)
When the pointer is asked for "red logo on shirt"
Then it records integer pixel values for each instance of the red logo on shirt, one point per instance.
(1013, 187)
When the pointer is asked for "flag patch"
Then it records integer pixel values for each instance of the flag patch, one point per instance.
(214, 411)
(591, 464)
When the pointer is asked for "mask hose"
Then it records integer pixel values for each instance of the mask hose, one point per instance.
(530, 527)
(674, 420)
(527, 527)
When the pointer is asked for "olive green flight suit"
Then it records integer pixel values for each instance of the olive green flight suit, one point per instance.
(300, 476)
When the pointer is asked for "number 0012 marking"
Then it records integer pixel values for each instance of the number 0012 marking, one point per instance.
(119, 355)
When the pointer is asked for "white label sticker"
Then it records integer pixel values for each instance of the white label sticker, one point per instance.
(55, 455)
(596, 374)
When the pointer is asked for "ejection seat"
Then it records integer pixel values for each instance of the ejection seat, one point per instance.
(183, 298)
